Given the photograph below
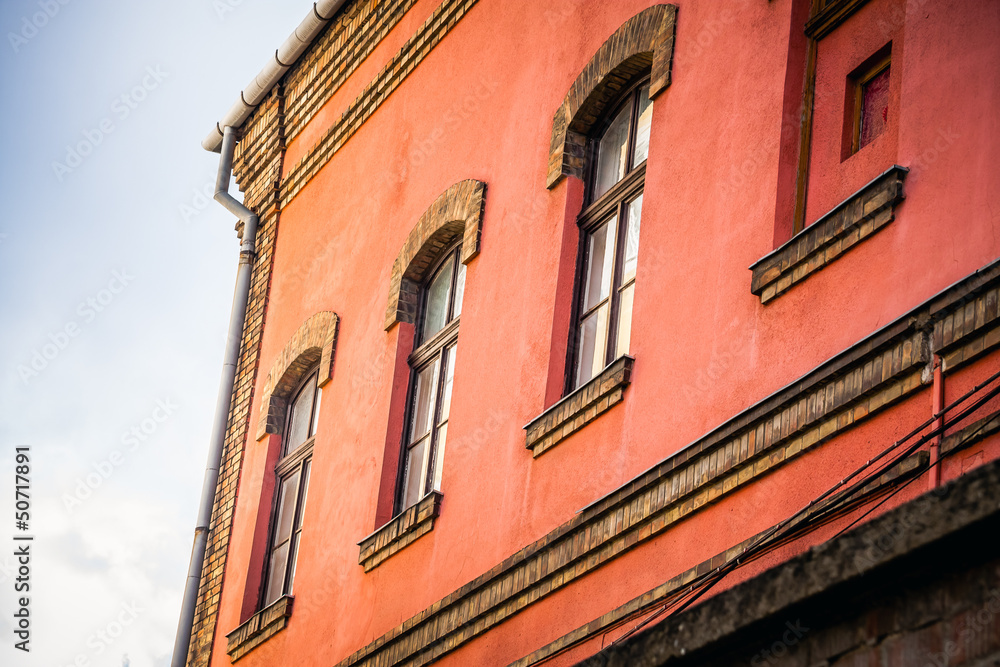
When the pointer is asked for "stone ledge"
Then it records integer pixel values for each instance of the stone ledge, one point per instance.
(259, 628)
(401, 530)
(579, 408)
(855, 219)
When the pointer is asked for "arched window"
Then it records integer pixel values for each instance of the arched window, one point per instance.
(292, 475)
(609, 234)
(432, 368)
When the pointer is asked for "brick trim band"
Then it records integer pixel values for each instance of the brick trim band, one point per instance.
(315, 340)
(456, 213)
(678, 585)
(400, 531)
(333, 58)
(861, 381)
(645, 41)
(429, 35)
(856, 218)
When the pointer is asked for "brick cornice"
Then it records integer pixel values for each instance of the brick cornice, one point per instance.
(865, 379)
(644, 42)
(853, 564)
(314, 340)
(679, 585)
(456, 213)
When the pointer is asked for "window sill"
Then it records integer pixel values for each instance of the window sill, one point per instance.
(400, 531)
(853, 220)
(259, 628)
(579, 408)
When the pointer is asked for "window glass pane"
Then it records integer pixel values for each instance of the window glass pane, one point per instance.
(276, 574)
(449, 376)
(438, 293)
(286, 504)
(291, 562)
(600, 263)
(442, 435)
(642, 126)
(300, 512)
(625, 321)
(414, 473)
(315, 421)
(459, 290)
(611, 153)
(632, 239)
(874, 107)
(300, 417)
(593, 345)
(423, 400)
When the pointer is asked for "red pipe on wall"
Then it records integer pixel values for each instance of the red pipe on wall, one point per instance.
(937, 405)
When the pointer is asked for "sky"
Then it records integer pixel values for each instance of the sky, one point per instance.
(116, 279)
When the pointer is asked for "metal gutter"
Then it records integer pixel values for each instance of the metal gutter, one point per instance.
(284, 57)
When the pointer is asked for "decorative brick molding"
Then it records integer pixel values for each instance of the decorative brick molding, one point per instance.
(855, 219)
(579, 408)
(940, 546)
(335, 55)
(678, 585)
(315, 340)
(257, 168)
(863, 380)
(429, 35)
(401, 530)
(259, 628)
(645, 41)
(456, 213)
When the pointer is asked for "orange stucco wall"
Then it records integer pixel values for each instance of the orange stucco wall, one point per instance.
(480, 106)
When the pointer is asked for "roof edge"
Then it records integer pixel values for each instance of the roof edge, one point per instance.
(323, 11)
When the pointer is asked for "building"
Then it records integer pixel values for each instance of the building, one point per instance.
(479, 419)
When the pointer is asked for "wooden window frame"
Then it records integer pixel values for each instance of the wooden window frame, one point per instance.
(595, 213)
(299, 459)
(875, 66)
(424, 354)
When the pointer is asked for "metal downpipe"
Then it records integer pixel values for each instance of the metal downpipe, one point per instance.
(237, 318)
